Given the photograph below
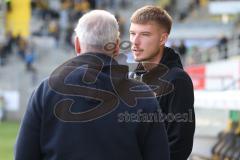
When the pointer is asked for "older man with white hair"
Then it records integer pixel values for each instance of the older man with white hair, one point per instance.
(88, 109)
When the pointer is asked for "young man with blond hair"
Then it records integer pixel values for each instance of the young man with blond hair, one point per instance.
(161, 66)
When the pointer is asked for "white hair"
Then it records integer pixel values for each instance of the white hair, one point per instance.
(97, 28)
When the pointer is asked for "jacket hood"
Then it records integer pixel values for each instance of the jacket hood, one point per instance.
(171, 58)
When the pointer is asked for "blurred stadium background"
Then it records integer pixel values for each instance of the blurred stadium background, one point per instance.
(36, 36)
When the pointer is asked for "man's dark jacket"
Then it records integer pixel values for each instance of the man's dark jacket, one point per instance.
(83, 112)
(176, 98)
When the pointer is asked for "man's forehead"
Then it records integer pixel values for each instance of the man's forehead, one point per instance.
(148, 23)
(148, 26)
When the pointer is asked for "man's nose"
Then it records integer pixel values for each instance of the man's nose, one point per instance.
(136, 40)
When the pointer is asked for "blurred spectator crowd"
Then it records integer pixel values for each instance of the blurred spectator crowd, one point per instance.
(60, 17)
(57, 19)
(24, 49)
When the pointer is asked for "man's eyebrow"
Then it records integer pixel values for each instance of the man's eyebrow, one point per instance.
(146, 32)
(143, 32)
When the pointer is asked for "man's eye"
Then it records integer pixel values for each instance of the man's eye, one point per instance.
(132, 33)
(146, 34)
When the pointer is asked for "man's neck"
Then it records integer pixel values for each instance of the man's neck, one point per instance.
(107, 53)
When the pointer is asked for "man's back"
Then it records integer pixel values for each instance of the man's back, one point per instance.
(81, 112)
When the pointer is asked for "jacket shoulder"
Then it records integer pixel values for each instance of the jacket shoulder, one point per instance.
(177, 73)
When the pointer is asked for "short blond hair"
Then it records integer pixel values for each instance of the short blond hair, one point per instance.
(150, 13)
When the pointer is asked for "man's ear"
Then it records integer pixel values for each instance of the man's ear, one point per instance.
(164, 38)
(117, 48)
(77, 46)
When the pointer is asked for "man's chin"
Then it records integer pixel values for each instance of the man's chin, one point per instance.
(137, 59)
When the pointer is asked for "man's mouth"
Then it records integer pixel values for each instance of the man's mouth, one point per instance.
(137, 50)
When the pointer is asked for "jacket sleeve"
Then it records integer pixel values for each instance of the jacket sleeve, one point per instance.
(181, 130)
(28, 141)
(156, 143)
